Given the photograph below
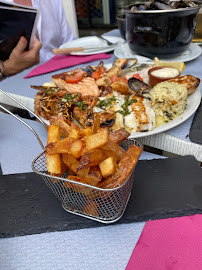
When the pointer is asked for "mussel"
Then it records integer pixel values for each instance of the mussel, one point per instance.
(163, 5)
(141, 88)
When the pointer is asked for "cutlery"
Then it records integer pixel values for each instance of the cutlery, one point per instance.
(79, 49)
(99, 36)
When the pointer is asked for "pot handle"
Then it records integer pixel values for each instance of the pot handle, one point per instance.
(147, 29)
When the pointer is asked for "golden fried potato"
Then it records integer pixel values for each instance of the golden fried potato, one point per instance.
(108, 167)
(60, 146)
(79, 147)
(118, 151)
(125, 167)
(96, 122)
(73, 178)
(63, 125)
(72, 164)
(95, 171)
(76, 148)
(53, 161)
(118, 135)
(96, 140)
(86, 131)
(74, 131)
(92, 158)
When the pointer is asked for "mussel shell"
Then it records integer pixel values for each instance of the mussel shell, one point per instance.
(108, 123)
(141, 88)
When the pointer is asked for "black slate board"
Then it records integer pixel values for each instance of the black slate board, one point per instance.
(195, 133)
(162, 188)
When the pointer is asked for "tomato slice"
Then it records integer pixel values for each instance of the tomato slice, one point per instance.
(124, 79)
(101, 70)
(114, 78)
(98, 73)
(74, 76)
(137, 76)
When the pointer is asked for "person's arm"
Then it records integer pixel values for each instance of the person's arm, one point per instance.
(20, 58)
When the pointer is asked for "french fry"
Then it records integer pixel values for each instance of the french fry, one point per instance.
(111, 153)
(74, 178)
(74, 131)
(95, 171)
(92, 179)
(96, 140)
(92, 158)
(72, 163)
(63, 168)
(118, 135)
(62, 124)
(76, 148)
(53, 161)
(118, 151)
(96, 123)
(60, 146)
(86, 132)
(107, 167)
(125, 167)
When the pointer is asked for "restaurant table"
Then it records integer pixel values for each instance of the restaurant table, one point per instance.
(105, 247)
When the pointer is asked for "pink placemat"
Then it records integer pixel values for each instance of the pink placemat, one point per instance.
(169, 244)
(64, 61)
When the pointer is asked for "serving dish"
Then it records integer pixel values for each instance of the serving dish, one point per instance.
(93, 41)
(123, 51)
(121, 21)
(99, 204)
(162, 32)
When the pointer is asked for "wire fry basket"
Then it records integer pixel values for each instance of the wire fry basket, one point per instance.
(103, 205)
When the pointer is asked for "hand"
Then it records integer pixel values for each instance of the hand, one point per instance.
(20, 58)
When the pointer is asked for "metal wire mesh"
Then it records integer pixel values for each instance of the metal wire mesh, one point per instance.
(104, 205)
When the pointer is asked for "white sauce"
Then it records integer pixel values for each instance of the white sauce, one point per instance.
(165, 72)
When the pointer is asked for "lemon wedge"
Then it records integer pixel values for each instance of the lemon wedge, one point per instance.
(180, 66)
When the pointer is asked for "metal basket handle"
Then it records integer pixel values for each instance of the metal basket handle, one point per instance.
(23, 106)
(19, 119)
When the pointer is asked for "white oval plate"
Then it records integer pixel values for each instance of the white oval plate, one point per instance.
(93, 41)
(123, 51)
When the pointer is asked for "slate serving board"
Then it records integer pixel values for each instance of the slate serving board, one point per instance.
(195, 133)
(162, 188)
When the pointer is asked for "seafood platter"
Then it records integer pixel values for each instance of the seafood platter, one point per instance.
(126, 95)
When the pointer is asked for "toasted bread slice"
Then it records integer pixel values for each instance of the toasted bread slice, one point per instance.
(189, 81)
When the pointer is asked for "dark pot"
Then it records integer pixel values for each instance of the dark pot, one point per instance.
(161, 33)
(121, 21)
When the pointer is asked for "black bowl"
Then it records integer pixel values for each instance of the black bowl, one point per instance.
(121, 21)
(161, 33)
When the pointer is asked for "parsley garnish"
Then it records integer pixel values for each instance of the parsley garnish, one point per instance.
(106, 102)
(126, 104)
